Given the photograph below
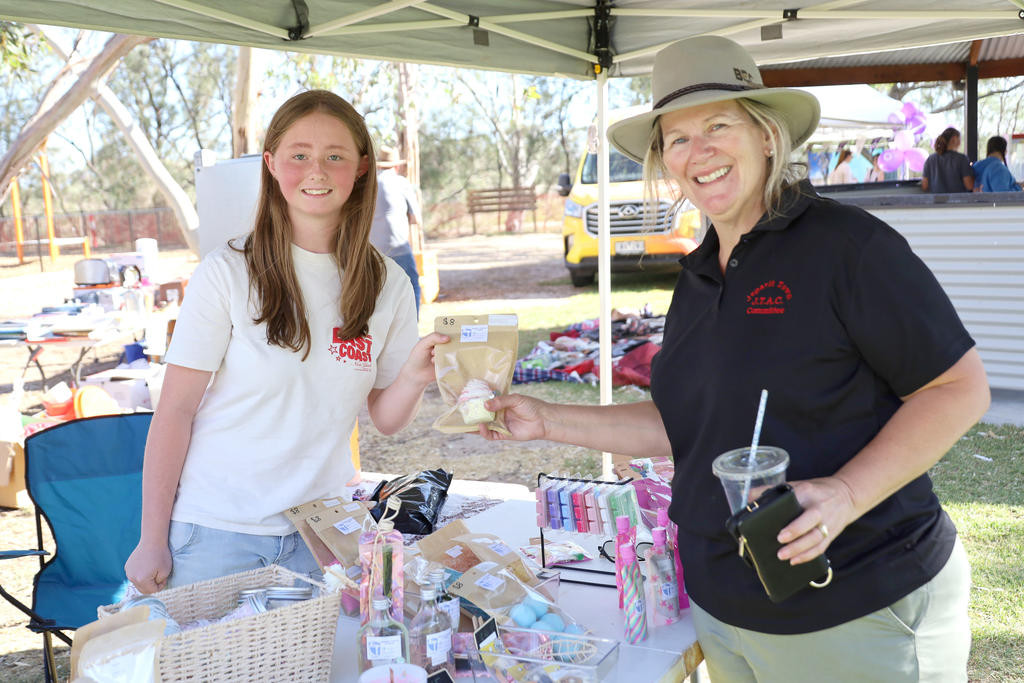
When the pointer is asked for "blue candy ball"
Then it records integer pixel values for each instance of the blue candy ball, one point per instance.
(522, 615)
(553, 622)
(539, 607)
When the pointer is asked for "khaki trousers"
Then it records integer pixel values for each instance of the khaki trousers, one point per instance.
(924, 636)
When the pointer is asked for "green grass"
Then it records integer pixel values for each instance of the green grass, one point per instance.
(630, 291)
(985, 498)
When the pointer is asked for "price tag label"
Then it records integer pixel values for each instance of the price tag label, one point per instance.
(347, 525)
(352, 507)
(330, 502)
(383, 647)
(473, 333)
(489, 582)
(500, 548)
(454, 551)
(438, 646)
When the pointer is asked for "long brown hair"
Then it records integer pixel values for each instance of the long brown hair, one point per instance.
(942, 142)
(268, 254)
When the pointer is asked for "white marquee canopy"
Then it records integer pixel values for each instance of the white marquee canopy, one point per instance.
(582, 39)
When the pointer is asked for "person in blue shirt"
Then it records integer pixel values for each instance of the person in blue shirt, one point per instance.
(991, 173)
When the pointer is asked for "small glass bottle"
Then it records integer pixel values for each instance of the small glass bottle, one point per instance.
(382, 640)
(430, 634)
(381, 561)
(446, 602)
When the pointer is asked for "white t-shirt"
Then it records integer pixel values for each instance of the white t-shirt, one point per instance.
(272, 430)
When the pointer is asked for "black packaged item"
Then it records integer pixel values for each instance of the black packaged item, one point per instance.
(422, 495)
(756, 528)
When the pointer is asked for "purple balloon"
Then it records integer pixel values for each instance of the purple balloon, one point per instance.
(890, 160)
(915, 159)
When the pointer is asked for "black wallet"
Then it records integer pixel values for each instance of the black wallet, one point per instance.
(756, 527)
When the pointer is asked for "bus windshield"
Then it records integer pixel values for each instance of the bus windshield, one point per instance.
(622, 169)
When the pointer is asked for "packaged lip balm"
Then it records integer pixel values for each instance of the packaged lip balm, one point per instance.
(473, 367)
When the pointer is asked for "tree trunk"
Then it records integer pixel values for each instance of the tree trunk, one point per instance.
(408, 121)
(243, 107)
(184, 211)
(409, 136)
(47, 118)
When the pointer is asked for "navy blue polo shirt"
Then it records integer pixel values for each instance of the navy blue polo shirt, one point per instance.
(829, 309)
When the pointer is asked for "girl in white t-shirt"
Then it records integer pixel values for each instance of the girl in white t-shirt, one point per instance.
(280, 342)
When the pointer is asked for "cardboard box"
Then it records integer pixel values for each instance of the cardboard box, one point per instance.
(132, 389)
(12, 476)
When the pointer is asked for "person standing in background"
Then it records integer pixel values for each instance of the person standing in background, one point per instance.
(947, 170)
(842, 174)
(397, 211)
(876, 174)
(991, 172)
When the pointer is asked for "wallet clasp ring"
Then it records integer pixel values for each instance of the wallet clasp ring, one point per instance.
(825, 582)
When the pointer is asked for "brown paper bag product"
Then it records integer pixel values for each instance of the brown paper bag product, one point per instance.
(339, 528)
(490, 548)
(83, 634)
(441, 547)
(108, 652)
(297, 516)
(482, 348)
(491, 589)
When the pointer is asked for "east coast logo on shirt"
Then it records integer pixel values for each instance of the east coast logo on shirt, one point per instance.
(769, 298)
(355, 352)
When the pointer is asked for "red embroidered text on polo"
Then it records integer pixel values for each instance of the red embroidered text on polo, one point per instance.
(769, 298)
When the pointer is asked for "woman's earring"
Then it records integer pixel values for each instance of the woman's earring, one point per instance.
(769, 153)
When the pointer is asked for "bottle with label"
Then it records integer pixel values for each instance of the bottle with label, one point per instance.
(634, 618)
(381, 561)
(672, 537)
(662, 589)
(430, 635)
(624, 535)
(382, 640)
(446, 602)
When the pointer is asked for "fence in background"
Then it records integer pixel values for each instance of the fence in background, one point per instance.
(105, 230)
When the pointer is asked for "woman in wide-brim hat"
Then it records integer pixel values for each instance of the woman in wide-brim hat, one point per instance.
(871, 378)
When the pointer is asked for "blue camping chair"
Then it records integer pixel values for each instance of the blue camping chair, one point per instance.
(85, 479)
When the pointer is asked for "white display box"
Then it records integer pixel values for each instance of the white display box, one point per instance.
(132, 389)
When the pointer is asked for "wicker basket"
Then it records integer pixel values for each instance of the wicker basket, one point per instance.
(292, 643)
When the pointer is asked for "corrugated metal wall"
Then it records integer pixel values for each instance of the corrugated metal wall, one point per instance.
(977, 253)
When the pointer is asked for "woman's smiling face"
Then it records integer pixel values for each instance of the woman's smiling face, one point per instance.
(718, 155)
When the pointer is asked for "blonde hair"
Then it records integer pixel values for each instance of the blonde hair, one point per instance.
(267, 250)
(781, 172)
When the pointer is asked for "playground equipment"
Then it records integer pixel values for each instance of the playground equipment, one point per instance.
(53, 241)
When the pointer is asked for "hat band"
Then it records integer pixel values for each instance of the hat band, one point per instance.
(698, 88)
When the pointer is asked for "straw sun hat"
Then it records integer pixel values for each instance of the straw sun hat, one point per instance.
(706, 69)
(388, 158)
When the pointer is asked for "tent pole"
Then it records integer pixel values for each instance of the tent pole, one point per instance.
(604, 269)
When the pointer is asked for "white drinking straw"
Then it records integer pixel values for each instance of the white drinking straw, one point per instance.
(752, 458)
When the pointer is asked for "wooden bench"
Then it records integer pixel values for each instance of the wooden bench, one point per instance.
(502, 199)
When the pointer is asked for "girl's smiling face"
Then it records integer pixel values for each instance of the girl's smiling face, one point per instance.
(316, 165)
(718, 155)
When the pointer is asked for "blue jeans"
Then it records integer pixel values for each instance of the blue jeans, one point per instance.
(408, 263)
(199, 553)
